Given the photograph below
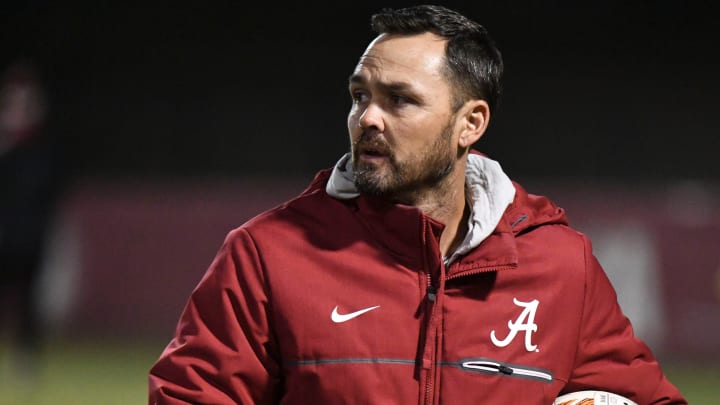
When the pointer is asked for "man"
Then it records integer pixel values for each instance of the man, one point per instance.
(415, 271)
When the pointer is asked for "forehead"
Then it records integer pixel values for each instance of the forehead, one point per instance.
(417, 59)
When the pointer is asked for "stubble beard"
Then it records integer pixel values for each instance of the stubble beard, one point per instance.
(403, 181)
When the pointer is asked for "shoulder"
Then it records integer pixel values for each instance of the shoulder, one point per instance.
(542, 228)
(309, 211)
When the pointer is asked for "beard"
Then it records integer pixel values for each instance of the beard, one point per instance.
(400, 180)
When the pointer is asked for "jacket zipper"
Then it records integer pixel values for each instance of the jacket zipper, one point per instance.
(431, 295)
(494, 367)
(429, 356)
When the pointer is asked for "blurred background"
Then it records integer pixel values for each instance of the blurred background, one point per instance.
(134, 137)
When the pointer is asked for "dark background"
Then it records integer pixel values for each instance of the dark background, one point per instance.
(602, 91)
(173, 115)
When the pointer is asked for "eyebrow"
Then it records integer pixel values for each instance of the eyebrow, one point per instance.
(391, 87)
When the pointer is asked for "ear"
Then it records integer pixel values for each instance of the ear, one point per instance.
(475, 119)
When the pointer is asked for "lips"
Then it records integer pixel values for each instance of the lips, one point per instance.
(372, 152)
(374, 148)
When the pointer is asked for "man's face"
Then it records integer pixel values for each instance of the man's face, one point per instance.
(401, 124)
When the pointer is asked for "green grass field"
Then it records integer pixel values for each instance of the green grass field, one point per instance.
(82, 373)
(701, 386)
(109, 374)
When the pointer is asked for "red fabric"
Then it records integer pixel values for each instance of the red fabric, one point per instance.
(258, 329)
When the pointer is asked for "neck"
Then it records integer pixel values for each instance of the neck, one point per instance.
(454, 215)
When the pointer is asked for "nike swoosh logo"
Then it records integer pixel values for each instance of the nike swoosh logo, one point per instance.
(340, 318)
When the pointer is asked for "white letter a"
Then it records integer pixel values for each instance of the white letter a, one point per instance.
(524, 322)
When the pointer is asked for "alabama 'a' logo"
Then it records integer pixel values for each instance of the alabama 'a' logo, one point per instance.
(525, 322)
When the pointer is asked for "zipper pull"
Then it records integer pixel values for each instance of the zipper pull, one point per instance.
(431, 293)
(505, 369)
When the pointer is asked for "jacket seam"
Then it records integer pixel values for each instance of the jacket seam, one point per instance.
(586, 260)
(268, 293)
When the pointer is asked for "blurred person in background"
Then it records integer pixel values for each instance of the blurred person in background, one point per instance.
(30, 182)
(414, 270)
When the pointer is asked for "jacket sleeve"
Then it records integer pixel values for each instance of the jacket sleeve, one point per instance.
(222, 351)
(609, 356)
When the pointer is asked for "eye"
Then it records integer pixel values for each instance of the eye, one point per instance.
(400, 100)
(358, 96)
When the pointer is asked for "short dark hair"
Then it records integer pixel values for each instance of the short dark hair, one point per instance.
(474, 65)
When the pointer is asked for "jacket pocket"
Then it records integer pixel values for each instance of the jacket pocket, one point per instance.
(495, 367)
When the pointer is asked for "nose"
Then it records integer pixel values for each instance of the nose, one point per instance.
(371, 118)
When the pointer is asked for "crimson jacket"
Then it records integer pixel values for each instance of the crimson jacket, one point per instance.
(328, 300)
